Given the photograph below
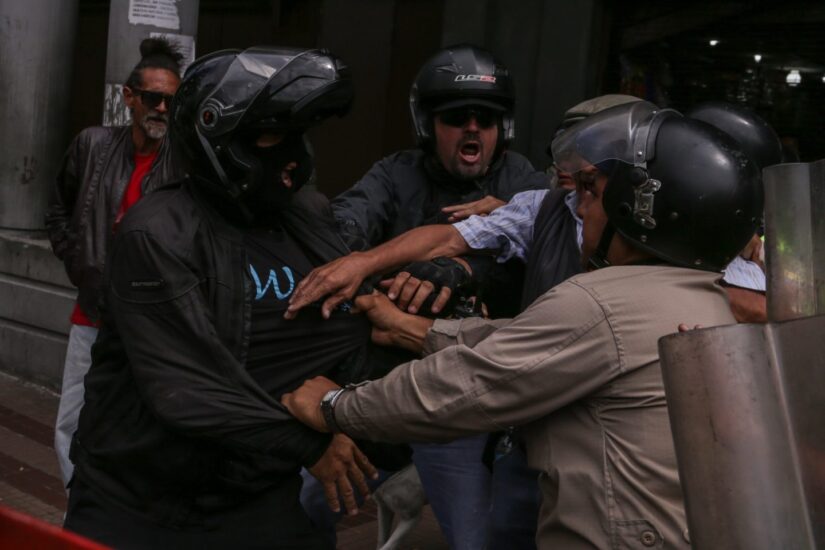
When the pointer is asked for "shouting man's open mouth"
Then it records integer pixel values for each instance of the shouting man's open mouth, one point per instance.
(470, 151)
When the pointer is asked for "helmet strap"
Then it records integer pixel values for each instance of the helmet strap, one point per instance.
(226, 185)
(216, 165)
(599, 258)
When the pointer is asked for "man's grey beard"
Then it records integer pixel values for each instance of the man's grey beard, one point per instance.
(154, 131)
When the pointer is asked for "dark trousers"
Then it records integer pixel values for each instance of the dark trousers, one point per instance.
(273, 520)
(516, 503)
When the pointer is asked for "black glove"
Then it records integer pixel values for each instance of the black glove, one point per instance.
(441, 272)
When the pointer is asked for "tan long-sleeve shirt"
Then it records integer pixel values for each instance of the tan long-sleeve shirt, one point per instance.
(579, 370)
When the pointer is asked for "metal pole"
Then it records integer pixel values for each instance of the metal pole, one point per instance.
(795, 239)
(130, 21)
(36, 52)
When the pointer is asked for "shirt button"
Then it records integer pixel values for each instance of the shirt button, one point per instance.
(648, 538)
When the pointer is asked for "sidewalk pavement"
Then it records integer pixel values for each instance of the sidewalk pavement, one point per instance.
(30, 477)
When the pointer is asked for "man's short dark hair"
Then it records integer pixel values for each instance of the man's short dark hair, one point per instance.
(155, 53)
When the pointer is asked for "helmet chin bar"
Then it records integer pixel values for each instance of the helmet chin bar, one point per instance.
(598, 259)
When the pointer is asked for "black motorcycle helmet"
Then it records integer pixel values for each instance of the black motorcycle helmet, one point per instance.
(457, 76)
(679, 189)
(753, 133)
(227, 98)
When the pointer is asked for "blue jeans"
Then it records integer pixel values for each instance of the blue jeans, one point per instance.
(78, 361)
(457, 484)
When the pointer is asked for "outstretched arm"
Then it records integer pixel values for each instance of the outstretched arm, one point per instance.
(338, 280)
(481, 207)
(507, 232)
(557, 351)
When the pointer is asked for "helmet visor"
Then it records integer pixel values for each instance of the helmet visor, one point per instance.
(616, 134)
(243, 82)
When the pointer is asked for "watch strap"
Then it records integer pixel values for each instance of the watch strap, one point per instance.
(328, 409)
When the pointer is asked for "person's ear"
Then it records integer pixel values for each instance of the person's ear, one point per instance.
(129, 97)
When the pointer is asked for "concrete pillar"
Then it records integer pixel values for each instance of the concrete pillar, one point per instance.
(130, 21)
(36, 49)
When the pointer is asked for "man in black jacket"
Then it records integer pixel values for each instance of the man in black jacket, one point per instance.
(462, 104)
(182, 442)
(104, 172)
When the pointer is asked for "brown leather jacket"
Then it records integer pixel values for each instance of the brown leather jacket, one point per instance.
(88, 191)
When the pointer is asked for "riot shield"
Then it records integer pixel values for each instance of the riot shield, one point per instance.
(795, 239)
(747, 402)
(748, 417)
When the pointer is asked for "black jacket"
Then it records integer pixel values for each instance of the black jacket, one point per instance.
(173, 426)
(409, 188)
(554, 254)
(87, 196)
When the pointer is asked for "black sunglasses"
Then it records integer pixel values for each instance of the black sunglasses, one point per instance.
(457, 118)
(153, 99)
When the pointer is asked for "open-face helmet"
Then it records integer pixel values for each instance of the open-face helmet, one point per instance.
(459, 76)
(679, 189)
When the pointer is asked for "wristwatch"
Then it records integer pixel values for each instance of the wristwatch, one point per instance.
(328, 409)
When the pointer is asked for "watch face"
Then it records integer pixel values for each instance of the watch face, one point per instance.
(327, 410)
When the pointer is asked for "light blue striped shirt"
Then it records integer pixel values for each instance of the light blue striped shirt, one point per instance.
(745, 274)
(508, 233)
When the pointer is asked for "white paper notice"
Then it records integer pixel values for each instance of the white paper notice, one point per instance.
(157, 13)
(115, 112)
(185, 42)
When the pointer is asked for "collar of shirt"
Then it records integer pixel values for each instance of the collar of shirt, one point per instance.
(745, 274)
(572, 201)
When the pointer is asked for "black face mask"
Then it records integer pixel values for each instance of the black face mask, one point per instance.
(269, 194)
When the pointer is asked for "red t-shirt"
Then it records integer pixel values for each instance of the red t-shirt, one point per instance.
(132, 194)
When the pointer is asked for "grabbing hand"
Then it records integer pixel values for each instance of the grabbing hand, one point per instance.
(383, 315)
(390, 325)
(338, 279)
(413, 286)
(305, 402)
(481, 207)
(411, 292)
(340, 467)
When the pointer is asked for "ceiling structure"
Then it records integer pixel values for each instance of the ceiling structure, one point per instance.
(767, 55)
